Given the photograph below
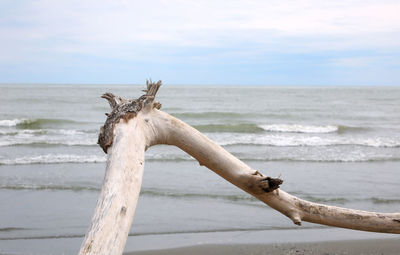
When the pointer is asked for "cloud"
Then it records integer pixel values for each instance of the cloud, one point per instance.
(185, 31)
(201, 23)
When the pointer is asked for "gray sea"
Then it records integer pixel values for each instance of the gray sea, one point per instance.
(335, 145)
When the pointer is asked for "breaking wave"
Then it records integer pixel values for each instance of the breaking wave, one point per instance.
(377, 200)
(44, 142)
(296, 128)
(12, 123)
(294, 157)
(301, 140)
(278, 128)
(72, 187)
(328, 158)
(53, 159)
(33, 123)
(231, 128)
(208, 115)
(12, 137)
(42, 132)
(242, 198)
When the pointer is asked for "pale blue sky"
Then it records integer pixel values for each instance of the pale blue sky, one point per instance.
(241, 42)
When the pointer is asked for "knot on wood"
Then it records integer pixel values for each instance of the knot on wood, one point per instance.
(125, 109)
(269, 184)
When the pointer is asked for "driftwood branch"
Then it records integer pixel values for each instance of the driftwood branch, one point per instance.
(135, 125)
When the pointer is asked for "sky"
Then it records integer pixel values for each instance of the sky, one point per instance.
(239, 42)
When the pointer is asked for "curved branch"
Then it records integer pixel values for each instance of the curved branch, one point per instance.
(213, 156)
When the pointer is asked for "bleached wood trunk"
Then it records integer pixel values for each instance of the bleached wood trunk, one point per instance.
(116, 206)
(135, 125)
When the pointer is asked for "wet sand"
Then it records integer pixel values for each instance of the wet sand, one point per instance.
(358, 247)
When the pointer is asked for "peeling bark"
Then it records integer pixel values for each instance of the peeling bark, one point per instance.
(125, 109)
(135, 125)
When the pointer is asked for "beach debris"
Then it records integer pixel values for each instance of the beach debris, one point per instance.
(133, 126)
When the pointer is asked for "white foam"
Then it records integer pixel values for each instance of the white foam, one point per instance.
(68, 132)
(297, 128)
(8, 132)
(14, 132)
(82, 142)
(47, 136)
(304, 140)
(53, 159)
(12, 123)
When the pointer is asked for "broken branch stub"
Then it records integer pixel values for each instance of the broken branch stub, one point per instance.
(134, 125)
(125, 109)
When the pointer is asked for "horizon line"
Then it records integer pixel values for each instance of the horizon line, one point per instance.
(199, 84)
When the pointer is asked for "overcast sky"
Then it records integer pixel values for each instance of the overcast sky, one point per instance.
(244, 42)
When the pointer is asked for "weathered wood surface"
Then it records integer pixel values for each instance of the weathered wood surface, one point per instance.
(135, 125)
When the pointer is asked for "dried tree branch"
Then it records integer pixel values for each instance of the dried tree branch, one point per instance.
(135, 125)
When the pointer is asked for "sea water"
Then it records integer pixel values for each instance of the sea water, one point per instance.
(334, 145)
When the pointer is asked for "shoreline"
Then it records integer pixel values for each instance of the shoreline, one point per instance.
(354, 247)
(325, 240)
(285, 241)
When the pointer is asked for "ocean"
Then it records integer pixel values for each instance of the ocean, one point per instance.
(334, 145)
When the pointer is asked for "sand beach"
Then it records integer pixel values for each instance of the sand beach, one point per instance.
(360, 247)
